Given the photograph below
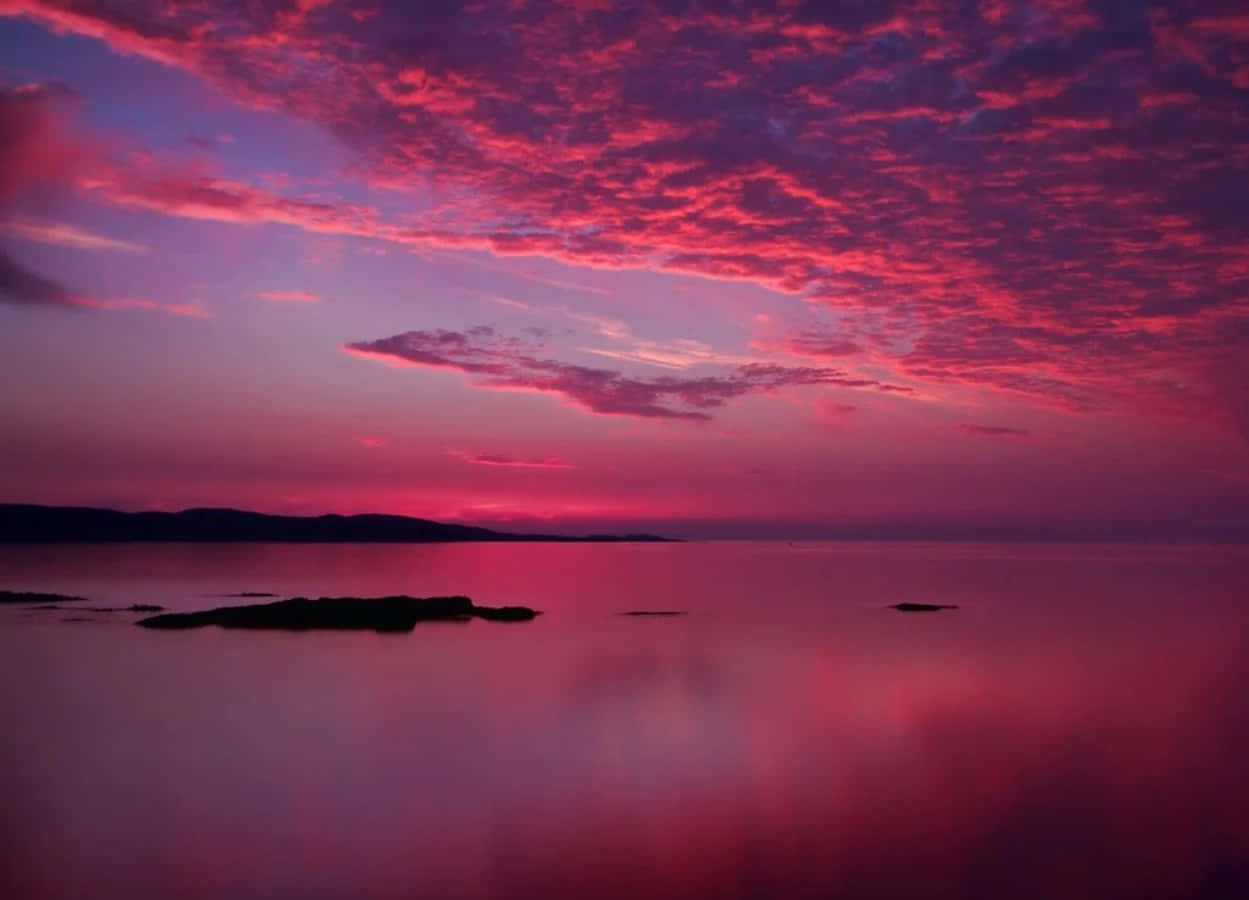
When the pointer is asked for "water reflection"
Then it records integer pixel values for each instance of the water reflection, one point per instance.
(1036, 747)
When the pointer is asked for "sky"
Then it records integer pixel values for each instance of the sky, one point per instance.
(718, 269)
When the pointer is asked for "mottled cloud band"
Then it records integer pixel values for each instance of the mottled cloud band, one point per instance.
(1044, 199)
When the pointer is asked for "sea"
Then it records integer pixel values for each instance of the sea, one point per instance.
(1077, 728)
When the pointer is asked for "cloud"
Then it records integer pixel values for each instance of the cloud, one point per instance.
(28, 152)
(35, 151)
(20, 286)
(200, 142)
(834, 415)
(678, 353)
(191, 195)
(34, 147)
(1042, 201)
(191, 310)
(818, 344)
(66, 235)
(296, 296)
(506, 363)
(992, 430)
(490, 459)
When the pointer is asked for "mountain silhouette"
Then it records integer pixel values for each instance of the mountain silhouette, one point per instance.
(30, 523)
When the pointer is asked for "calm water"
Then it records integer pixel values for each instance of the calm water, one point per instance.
(1079, 728)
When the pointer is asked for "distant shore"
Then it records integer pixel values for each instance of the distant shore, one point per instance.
(29, 523)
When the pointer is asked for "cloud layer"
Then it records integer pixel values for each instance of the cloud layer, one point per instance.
(1044, 199)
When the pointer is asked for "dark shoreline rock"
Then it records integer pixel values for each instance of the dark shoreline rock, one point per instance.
(399, 613)
(923, 607)
(37, 597)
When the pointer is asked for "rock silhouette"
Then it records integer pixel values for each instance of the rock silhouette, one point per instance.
(398, 613)
(27, 522)
(923, 607)
(37, 597)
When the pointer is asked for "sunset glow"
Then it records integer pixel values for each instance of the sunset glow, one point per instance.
(770, 269)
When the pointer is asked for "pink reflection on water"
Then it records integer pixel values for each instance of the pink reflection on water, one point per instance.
(1076, 729)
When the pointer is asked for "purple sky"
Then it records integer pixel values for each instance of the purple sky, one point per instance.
(707, 268)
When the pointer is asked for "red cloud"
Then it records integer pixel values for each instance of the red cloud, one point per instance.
(1053, 210)
(34, 145)
(817, 344)
(33, 150)
(490, 459)
(294, 296)
(992, 430)
(192, 309)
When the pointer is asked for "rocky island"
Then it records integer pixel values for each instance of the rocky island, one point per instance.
(398, 613)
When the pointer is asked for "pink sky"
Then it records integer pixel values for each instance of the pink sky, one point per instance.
(790, 269)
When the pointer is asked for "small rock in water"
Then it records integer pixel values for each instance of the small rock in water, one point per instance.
(923, 607)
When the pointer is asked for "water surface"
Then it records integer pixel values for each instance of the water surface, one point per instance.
(1078, 728)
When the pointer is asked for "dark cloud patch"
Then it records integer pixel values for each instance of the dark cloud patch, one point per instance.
(20, 286)
(505, 363)
(818, 343)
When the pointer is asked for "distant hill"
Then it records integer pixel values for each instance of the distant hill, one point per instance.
(29, 523)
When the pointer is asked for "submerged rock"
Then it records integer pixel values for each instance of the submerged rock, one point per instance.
(37, 597)
(400, 613)
(923, 607)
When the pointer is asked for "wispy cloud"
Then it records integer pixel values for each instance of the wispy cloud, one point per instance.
(676, 353)
(992, 430)
(192, 310)
(291, 296)
(491, 459)
(66, 235)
